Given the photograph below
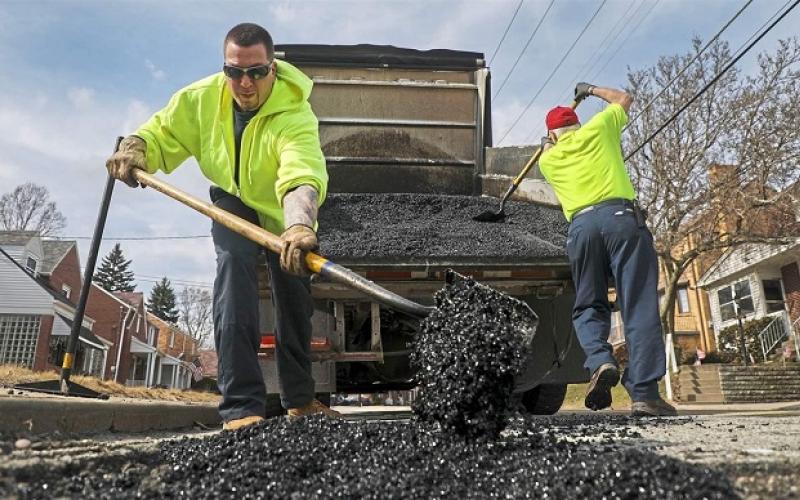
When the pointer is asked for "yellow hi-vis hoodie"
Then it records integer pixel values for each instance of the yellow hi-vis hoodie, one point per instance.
(280, 147)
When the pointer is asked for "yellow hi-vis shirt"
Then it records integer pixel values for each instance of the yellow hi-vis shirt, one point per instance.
(280, 145)
(585, 166)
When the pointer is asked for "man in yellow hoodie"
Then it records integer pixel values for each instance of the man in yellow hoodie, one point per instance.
(255, 137)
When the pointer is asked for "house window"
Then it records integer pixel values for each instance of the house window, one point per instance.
(683, 300)
(773, 295)
(30, 264)
(730, 295)
(67, 290)
(172, 339)
(18, 335)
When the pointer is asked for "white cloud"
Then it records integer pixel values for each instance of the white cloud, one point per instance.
(283, 13)
(156, 73)
(82, 97)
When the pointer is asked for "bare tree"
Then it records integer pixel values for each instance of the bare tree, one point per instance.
(28, 208)
(723, 173)
(194, 307)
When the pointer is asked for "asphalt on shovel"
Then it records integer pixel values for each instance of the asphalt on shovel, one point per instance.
(500, 215)
(316, 263)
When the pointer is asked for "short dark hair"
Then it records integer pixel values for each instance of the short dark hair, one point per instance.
(248, 34)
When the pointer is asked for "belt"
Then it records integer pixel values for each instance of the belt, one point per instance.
(605, 203)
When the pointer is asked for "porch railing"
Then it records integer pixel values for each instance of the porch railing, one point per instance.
(135, 383)
(774, 333)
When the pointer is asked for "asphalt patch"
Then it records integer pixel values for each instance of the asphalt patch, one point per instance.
(319, 457)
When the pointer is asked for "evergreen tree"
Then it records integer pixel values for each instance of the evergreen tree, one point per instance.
(113, 273)
(162, 301)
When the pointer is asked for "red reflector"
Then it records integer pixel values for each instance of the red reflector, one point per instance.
(317, 343)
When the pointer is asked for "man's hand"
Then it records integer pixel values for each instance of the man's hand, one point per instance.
(583, 90)
(297, 241)
(546, 143)
(131, 154)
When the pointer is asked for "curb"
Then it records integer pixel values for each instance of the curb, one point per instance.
(40, 416)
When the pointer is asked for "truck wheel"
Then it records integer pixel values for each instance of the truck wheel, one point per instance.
(544, 399)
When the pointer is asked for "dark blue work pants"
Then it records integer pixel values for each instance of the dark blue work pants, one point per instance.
(606, 242)
(236, 323)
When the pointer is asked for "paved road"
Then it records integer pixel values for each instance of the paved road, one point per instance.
(759, 450)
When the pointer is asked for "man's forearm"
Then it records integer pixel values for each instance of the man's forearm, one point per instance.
(614, 96)
(300, 206)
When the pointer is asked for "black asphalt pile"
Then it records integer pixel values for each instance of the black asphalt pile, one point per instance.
(466, 356)
(318, 457)
(426, 227)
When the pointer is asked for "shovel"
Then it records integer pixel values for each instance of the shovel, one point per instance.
(316, 263)
(500, 215)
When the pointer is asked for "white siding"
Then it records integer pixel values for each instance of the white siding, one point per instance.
(19, 293)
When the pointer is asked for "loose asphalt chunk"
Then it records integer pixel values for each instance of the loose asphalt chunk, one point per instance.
(466, 355)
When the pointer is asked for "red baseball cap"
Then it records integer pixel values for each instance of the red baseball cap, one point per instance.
(560, 116)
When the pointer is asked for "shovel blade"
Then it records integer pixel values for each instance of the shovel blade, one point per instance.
(66, 389)
(489, 216)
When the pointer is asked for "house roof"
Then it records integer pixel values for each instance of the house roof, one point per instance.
(54, 252)
(132, 298)
(742, 258)
(16, 238)
(55, 294)
(86, 335)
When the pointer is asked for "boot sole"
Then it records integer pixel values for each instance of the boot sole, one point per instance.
(599, 395)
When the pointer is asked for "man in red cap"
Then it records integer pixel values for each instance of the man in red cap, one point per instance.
(607, 238)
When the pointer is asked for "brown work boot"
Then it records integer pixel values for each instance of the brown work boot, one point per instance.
(238, 423)
(315, 407)
(653, 408)
(598, 394)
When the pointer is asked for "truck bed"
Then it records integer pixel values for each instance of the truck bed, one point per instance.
(432, 229)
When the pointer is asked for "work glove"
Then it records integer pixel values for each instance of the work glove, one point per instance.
(297, 241)
(131, 154)
(546, 142)
(583, 90)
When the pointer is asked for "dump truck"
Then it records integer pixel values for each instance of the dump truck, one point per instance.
(407, 138)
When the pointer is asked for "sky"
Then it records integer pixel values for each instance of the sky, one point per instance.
(78, 73)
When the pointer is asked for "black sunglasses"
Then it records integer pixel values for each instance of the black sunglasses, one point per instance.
(253, 72)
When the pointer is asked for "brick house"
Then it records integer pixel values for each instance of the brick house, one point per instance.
(121, 318)
(38, 279)
(178, 353)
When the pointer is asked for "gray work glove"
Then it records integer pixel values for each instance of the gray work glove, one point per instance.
(546, 143)
(583, 90)
(131, 154)
(297, 241)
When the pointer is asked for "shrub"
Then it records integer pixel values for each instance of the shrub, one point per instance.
(729, 341)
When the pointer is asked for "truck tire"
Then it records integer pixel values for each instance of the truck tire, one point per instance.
(544, 399)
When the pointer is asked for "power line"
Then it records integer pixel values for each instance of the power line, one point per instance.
(580, 35)
(506, 31)
(616, 51)
(601, 50)
(513, 67)
(713, 81)
(681, 72)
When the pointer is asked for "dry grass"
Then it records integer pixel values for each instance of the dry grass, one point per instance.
(11, 375)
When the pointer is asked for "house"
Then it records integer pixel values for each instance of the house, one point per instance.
(761, 280)
(37, 306)
(121, 318)
(178, 353)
